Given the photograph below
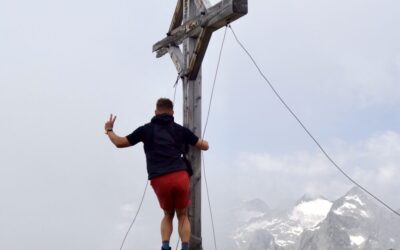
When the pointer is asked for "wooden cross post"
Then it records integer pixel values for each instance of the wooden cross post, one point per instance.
(192, 25)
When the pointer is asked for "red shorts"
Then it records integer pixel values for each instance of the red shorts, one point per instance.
(172, 190)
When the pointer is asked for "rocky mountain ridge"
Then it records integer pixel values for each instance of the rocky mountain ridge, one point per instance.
(354, 221)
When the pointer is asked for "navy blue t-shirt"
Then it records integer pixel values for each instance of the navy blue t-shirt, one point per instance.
(164, 143)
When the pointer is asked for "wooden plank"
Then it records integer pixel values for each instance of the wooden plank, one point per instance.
(192, 120)
(199, 53)
(177, 57)
(176, 36)
(162, 52)
(177, 17)
(217, 16)
(227, 12)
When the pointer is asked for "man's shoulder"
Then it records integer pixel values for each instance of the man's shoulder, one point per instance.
(143, 128)
(177, 125)
(146, 126)
(181, 128)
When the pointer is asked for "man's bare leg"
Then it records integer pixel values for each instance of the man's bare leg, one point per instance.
(184, 224)
(166, 225)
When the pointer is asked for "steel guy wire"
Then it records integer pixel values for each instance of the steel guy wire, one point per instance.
(137, 213)
(204, 132)
(306, 129)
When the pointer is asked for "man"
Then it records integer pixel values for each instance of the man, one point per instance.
(165, 144)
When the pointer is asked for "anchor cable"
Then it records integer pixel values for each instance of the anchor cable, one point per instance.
(306, 129)
(204, 132)
(137, 213)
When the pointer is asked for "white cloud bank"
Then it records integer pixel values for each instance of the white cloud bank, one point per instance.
(374, 163)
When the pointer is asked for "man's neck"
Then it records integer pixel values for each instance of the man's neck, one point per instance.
(158, 113)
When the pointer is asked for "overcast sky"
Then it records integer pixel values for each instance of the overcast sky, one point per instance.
(66, 65)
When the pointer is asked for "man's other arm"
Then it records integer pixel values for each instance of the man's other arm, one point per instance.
(192, 139)
(202, 144)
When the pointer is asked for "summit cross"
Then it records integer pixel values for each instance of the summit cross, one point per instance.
(192, 26)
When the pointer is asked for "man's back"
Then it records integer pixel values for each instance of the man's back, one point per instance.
(164, 144)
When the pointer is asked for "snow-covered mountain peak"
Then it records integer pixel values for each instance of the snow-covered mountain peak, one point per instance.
(286, 228)
(355, 203)
(354, 221)
(309, 197)
(358, 195)
(349, 208)
(354, 198)
(310, 213)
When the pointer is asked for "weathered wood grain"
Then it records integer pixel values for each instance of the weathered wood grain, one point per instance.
(216, 17)
(177, 17)
(177, 58)
(198, 53)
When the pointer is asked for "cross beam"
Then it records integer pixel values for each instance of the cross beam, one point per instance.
(201, 27)
(192, 25)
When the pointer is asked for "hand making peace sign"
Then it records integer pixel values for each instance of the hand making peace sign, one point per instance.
(110, 123)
